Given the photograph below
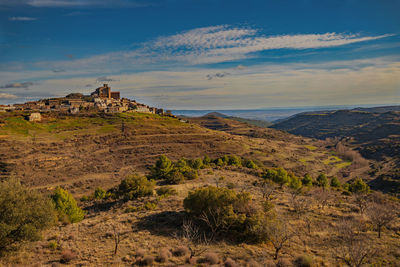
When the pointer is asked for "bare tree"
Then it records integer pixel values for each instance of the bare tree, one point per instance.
(192, 236)
(381, 215)
(267, 189)
(352, 248)
(117, 239)
(361, 199)
(322, 197)
(279, 234)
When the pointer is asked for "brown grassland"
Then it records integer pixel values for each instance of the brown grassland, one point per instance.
(83, 152)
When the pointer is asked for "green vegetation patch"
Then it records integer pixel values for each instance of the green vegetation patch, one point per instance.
(343, 164)
(331, 159)
(310, 147)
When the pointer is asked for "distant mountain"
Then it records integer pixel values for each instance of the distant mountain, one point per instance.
(259, 123)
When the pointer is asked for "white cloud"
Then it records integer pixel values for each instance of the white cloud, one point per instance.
(21, 19)
(7, 96)
(352, 82)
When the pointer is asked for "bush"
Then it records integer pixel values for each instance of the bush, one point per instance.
(211, 258)
(335, 182)
(181, 251)
(164, 255)
(230, 263)
(166, 191)
(197, 164)
(66, 206)
(234, 161)
(23, 214)
(251, 165)
(135, 186)
(206, 160)
(162, 168)
(307, 180)
(175, 177)
(148, 260)
(53, 245)
(67, 256)
(279, 176)
(99, 193)
(226, 213)
(294, 182)
(322, 180)
(303, 261)
(358, 186)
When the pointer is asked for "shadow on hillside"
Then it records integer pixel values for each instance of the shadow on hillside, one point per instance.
(165, 223)
(99, 206)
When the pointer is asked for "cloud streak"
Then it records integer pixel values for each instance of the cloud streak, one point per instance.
(7, 96)
(24, 85)
(21, 19)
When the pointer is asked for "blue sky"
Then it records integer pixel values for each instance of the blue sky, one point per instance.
(203, 54)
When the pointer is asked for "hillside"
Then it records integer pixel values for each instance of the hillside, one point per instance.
(374, 132)
(83, 152)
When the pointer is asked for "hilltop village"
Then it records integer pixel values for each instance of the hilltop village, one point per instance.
(102, 100)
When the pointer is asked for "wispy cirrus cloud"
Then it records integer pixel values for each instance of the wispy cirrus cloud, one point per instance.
(208, 45)
(76, 3)
(24, 85)
(21, 19)
(223, 43)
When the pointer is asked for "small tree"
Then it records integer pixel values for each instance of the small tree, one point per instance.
(99, 193)
(23, 214)
(250, 164)
(381, 215)
(322, 180)
(294, 182)
(335, 182)
(279, 234)
(206, 160)
(66, 205)
(162, 168)
(135, 186)
(358, 186)
(197, 164)
(307, 180)
(234, 161)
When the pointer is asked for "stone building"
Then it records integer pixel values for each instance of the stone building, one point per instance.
(105, 92)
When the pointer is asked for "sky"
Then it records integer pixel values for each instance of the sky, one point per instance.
(203, 54)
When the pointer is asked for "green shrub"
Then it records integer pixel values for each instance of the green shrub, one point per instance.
(23, 214)
(135, 186)
(219, 162)
(279, 176)
(226, 213)
(206, 160)
(322, 180)
(250, 164)
(66, 205)
(307, 180)
(234, 161)
(358, 186)
(335, 182)
(166, 191)
(150, 205)
(162, 168)
(197, 164)
(294, 182)
(191, 174)
(99, 193)
(175, 177)
(53, 245)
